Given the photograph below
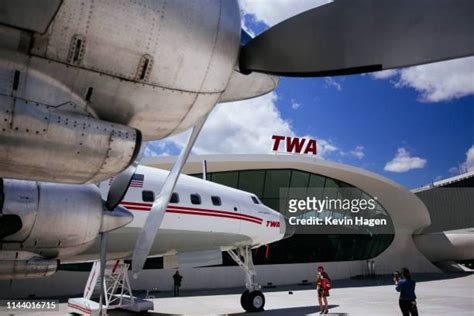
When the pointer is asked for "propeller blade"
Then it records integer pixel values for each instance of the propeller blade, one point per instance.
(119, 186)
(103, 262)
(355, 36)
(155, 217)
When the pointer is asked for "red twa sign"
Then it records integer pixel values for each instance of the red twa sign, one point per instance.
(295, 144)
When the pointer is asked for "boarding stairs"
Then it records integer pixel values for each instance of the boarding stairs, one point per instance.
(118, 292)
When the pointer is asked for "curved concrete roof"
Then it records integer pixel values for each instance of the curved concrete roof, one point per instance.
(408, 213)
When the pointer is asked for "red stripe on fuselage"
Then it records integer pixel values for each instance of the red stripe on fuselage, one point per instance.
(135, 203)
(194, 211)
(214, 215)
(216, 211)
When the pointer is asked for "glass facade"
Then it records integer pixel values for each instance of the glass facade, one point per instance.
(301, 248)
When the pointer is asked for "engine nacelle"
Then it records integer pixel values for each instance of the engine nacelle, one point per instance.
(39, 143)
(56, 219)
(25, 265)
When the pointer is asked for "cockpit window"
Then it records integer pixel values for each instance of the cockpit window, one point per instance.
(255, 200)
(195, 199)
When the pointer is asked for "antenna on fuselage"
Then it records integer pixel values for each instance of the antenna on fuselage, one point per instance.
(204, 169)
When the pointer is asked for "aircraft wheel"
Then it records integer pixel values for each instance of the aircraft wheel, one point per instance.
(256, 301)
(244, 300)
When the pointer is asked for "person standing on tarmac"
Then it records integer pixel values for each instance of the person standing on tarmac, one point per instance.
(177, 282)
(406, 286)
(323, 285)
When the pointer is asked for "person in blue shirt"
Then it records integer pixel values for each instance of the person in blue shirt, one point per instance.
(406, 286)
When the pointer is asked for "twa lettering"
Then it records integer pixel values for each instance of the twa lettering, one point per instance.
(273, 224)
(295, 144)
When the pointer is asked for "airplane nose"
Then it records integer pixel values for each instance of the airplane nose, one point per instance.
(286, 228)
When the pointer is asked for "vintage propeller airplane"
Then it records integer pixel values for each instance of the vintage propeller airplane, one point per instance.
(201, 220)
(84, 83)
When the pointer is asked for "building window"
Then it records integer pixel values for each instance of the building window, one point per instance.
(195, 199)
(148, 196)
(216, 200)
(353, 244)
(174, 198)
(252, 181)
(255, 200)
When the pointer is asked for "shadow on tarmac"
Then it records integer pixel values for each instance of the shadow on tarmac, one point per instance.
(295, 311)
(379, 280)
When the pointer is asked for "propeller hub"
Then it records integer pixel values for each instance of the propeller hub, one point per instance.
(115, 219)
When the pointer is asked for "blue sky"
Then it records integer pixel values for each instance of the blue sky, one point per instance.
(413, 126)
(381, 118)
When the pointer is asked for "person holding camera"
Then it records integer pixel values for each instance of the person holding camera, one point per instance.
(323, 285)
(406, 286)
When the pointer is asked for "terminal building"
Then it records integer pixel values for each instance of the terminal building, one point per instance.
(449, 240)
(430, 229)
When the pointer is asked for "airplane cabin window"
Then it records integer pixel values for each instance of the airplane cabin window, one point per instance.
(174, 198)
(216, 200)
(148, 196)
(195, 199)
(255, 200)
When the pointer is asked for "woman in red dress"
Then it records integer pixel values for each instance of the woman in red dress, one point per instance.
(323, 284)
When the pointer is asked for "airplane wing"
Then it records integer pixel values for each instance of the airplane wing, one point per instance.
(356, 36)
(31, 15)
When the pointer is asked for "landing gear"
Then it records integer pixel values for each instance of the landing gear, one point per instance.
(252, 300)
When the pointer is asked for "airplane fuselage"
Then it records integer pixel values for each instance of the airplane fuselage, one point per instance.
(201, 215)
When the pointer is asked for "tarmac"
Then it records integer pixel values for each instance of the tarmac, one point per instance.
(439, 294)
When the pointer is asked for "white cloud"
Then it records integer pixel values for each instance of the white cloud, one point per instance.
(442, 81)
(467, 165)
(358, 152)
(331, 82)
(403, 162)
(243, 127)
(325, 147)
(384, 74)
(295, 105)
(272, 12)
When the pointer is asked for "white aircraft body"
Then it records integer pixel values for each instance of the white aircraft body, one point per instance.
(202, 220)
(221, 218)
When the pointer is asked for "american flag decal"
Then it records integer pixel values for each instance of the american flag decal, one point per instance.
(137, 180)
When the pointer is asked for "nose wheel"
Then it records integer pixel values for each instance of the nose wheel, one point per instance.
(252, 300)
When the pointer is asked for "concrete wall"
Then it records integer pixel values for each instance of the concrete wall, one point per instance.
(67, 283)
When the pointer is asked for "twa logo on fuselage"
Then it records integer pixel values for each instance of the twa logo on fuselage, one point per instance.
(273, 224)
(295, 144)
